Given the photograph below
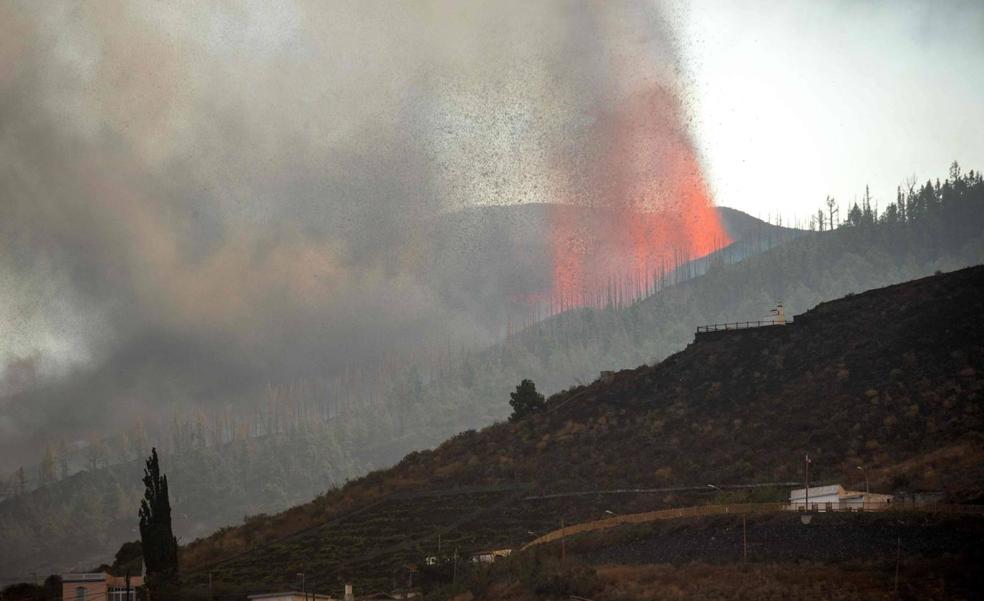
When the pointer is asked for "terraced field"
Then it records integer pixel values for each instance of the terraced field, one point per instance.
(363, 547)
(367, 546)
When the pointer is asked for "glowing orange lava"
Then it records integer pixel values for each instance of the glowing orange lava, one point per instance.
(647, 207)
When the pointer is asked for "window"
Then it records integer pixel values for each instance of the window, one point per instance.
(80, 593)
(118, 593)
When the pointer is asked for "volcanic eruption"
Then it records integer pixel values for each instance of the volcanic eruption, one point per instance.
(641, 206)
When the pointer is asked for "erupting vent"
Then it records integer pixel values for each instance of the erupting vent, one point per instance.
(654, 208)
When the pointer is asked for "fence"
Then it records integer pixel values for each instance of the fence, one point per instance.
(741, 508)
(739, 325)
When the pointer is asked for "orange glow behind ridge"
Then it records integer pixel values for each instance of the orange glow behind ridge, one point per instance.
(649, 208)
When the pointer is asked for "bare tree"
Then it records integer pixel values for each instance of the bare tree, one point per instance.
(832, 209)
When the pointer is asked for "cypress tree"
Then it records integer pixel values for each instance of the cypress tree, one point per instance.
(160, 548)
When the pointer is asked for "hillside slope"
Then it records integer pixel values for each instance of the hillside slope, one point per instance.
(373, 416)
(891, 379)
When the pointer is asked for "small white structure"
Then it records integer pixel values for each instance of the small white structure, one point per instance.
(835, 497)
(291, 596)
(490, 556)
(780, 315)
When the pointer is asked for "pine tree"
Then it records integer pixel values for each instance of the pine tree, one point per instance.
(855, 216)
(867, 213)
(900, 204)
(525, 400)
(160, 548)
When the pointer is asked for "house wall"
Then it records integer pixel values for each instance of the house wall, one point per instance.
(96, 586)
(95, 590)
(872, 501)
(120, 581)
(820, 500)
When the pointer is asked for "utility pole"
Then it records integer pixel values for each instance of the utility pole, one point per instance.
(807, 482)
(563, 540)
(210, 586)
(744, 539)
(865, 472)
(898, 562)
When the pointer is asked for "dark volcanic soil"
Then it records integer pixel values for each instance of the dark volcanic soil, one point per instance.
(781, 538)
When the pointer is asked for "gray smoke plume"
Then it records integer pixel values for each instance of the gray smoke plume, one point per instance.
(199, 198)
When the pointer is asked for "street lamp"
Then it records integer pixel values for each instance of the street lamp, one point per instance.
(610, 512)
(865, 472)
(717, 488)
(806, 482)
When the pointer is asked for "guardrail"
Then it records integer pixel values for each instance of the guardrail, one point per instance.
(741, 508)
(739, 325)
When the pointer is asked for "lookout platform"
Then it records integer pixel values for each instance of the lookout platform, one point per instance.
(778, 319)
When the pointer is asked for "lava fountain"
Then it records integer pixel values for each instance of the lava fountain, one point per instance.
(642, 207)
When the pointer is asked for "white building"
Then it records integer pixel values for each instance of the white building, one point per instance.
(834, 498)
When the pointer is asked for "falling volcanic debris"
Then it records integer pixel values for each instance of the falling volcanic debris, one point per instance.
(640, 175)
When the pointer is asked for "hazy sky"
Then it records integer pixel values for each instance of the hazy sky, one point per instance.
(796, 100)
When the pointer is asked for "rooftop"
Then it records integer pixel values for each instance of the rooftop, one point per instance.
(84, 577)
(818, 491)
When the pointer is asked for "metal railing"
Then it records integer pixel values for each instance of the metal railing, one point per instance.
(739, 325)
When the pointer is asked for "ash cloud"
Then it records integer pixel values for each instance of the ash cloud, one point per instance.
(198, 198)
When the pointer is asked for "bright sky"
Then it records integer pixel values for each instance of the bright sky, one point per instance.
(796, 100)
